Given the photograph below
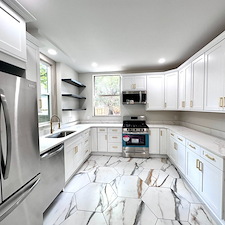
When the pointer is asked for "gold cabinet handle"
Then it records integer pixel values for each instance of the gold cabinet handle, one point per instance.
(197, 163)
(183, 104)
(221, 104)
(200, 166)
(171, 134)
(114, 147)
(101, 129)
(192, 146)
(175, 145)
(115, 137)
(180, 139)
(161, 133)
(76, 150)
(210, 157)
(191, 104)
(114, 130)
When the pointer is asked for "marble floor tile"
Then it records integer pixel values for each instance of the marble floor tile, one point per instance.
(156, 178)
(171, 170)
(153, 163)
(95, 197)
(77, 182)
(127, 211)
(199, 216)
(166, 205)
(181, 188)
(171, 222)
(129, 186)
(103, 175)
(61, 208)
(88, 166)
(85, 218)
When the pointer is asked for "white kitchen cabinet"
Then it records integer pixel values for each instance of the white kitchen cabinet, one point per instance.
(184, 88)
(73, 155)
(172, 148)
(102, 140)
(13, 33)
(181, 154)
(197, 84)
(86, 143)
(171, 83)
(33, 65)
(154, 141)
(215, 78)
(155, 92)
(134, 82)
(163, 141)
(94, 139)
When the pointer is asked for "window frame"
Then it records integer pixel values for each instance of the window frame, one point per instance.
(52, 93)
(93, 94)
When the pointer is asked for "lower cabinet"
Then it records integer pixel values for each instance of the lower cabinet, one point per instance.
(76, 151)
(157, 141)
(109, 140)
(206, 178)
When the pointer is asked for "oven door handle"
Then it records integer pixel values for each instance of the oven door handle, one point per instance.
(146, 132)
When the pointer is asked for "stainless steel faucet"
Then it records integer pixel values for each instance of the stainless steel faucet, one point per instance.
(51, 129)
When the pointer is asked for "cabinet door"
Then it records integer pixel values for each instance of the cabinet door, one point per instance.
(155, 92)
(188, 87)
(13, 33)
(33, 68)
(173, 150)
(171, 91)
(94, 140)
(192, 172)
(212, 186)
(198, 78)
(163, 141)
(127, 83)
(154, 141)
(102, 142)
(140, 82)
(181, 89)
(69, 157)
(181, 157)
(214, 77)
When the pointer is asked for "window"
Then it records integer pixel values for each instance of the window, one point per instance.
(107, 95)
(45, 83)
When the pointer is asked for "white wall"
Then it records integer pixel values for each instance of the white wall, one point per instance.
(64, 71)
(87, 116)
(211, 123)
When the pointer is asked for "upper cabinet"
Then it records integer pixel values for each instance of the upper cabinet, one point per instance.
(197, 84)
(134, 82)
(155, 92)
(13, 33)
(215, 78)
(171, 85)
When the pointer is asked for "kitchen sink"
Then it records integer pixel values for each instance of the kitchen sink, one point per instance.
(60, 134)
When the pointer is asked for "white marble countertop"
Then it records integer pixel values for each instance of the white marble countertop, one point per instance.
(211, 143)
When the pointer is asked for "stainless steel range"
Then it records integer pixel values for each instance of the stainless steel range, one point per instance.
(135, 137)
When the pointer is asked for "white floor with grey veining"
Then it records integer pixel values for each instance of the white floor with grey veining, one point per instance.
(127, 191)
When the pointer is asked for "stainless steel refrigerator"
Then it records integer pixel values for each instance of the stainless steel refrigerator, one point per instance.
(19, 152)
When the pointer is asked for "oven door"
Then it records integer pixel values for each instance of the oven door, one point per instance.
(136, 140)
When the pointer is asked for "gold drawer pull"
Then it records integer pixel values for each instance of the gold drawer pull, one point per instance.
(191, 103)
(197, 163)
(180, 139)
(192, 146)
(210, 157)
(114, 147)
(221, 101)
(200, 166)
(115, 137)
(114, 130)
(101, 129)
(183, 104)
(161, 133)
(172, 134)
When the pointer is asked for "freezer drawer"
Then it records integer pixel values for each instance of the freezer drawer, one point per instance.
(21, 208)
(53, 175)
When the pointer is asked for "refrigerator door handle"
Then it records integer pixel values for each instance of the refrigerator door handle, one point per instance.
(6, 165)
(8, 206)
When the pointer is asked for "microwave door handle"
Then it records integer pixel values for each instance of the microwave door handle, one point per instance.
(6, 165)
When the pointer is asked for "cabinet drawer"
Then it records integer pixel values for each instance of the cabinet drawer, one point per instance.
(192, 146)
(86, 134)
(180, 139)
(115, 130)
(115, 138)
(102, 130)
(114, 147)
(212, 158)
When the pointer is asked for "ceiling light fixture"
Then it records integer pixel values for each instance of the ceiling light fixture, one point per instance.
(161, 60)
(94, 64)
(52, 52)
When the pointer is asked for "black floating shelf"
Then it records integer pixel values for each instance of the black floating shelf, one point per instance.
(74, 96)
(74, 82)
(72, 109)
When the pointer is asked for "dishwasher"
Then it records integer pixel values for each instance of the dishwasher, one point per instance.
(52, 175)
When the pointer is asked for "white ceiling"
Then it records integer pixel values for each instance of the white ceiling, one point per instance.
(125, 35)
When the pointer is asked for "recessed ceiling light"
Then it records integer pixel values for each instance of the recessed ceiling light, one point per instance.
(52, 52)
(94, 64)
(161, 60)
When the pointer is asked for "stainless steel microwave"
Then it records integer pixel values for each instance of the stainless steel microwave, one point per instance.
(134, 97)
